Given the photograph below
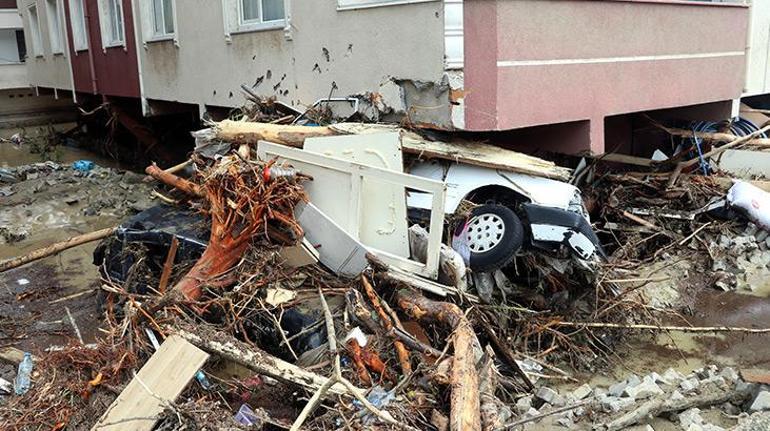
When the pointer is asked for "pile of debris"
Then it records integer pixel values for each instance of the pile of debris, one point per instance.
(359, 276)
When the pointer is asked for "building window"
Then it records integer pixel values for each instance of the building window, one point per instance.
(163, 18)
(54, 26)
(21, 45)
(253, 15)
(359, 4)
(261, 11)
(36, 40)
(9, 53)
(78, 22)
(111, 23)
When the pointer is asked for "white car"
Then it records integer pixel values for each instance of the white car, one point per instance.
(515, 211)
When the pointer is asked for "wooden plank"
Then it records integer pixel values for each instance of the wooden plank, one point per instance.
(160, 380)
(625, 159)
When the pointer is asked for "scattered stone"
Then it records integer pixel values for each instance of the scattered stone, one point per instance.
(730, 409)
(718, 380)
(619, 388)
(558, 401)
(671, 375)
(648, 428)
(582, 392)
(523, 404)
(565, 422)
(690, 417)
(616, 404)
(729, 374)
(532, 412)
(676, 395)
(689, 385)
(645, 389)
(725, 280)
(761, 402)
(759, 421)
(546, 394)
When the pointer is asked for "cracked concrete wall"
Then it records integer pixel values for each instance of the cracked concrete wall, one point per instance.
(365, 52)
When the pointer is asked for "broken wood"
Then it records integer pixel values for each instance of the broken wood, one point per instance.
(168, 265)
(682, 165)
(243, 132)
(640, 220)
(172, 180)
(240, 202)
(255, 359)
(473, 153)
(664, 328)
(535, 418)
(490, 412)
(55, 248)
(659, 406)
(506, 352)
(154, 388)
(315, 400)
(172, 170)
(464, 378)
(403, 354)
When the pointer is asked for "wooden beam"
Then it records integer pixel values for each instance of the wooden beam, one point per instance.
(160, 381)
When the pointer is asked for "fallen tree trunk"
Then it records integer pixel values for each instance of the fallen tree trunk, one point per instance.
(474, 153)
(658, 406)
(464, 379)
(240, 202)
(55, 248)
(242, 132)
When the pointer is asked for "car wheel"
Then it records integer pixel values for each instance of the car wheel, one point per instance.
(494, 234)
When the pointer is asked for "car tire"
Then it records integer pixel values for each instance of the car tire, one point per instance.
(494, 234)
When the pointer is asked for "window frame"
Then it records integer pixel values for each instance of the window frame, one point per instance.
(78, 24)
(343, 5)
(54, 25)
(154, 35)
(107, 21)
(36, 41)
(246, 26)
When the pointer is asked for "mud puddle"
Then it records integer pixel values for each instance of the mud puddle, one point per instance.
(44, 203)
(17, 155)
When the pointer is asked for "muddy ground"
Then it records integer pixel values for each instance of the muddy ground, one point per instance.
(50, 202)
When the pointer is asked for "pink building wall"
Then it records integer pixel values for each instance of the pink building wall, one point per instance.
(535, 62)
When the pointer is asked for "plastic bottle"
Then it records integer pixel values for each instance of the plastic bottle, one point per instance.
(203, 380)
(22, 382)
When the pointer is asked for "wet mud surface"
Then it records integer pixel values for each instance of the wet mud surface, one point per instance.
(44, 203)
